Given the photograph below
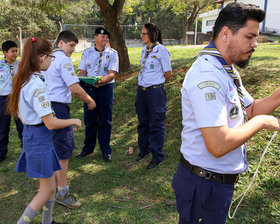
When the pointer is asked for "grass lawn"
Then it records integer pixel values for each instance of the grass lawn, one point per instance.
(123, 191)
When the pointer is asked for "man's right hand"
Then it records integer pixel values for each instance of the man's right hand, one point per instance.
(91, 105)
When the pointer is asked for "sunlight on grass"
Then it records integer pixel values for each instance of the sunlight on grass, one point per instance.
(8, 194)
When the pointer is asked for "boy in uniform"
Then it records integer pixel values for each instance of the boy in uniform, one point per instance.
(103, 61)
(62, 82)
(8, 68)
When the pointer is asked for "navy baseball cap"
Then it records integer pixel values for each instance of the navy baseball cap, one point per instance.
(101, 30)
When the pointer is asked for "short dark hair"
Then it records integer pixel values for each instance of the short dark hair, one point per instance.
(7, 45)
(153, 32)
(66, 36)
(235, 16)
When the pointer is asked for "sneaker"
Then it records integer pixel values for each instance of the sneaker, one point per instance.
(68, 200)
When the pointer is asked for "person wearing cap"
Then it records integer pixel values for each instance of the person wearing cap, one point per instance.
(219, 116)
(8, 68)
(62, 81)
(101, 61)
(151, 97)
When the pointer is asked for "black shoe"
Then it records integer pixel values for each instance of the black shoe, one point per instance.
(153, 165)
(82, 154)
(2, 158)
(107, 157)
(141, 156)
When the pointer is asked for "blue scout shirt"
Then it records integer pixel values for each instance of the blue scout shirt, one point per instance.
(90, 62)
(210, 99)
(6, 76)
(59, 76)
(34, 101)
(156, 64)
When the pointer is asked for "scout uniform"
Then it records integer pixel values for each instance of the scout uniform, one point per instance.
(209, 99)
(38, 158)
(59, 76)
(7, 72)
(151, 101)
(97, 63)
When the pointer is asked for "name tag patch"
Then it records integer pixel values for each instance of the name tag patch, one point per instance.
(212, 84)
(38, 92)
(210, 96)
(68, 64)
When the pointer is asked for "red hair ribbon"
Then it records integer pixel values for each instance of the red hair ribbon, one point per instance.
(33, 39)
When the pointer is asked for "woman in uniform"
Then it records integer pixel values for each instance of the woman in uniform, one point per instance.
(29, 101)
(151, 98)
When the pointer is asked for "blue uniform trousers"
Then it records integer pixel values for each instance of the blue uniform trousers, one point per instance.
(199, 200)
(5, 121)
(98, 122)
(63, 139)
(151, 111)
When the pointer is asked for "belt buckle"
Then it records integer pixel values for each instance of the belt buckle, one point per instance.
(208, 175)
(144, 88)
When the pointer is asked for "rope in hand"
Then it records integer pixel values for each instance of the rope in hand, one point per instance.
(251, 183)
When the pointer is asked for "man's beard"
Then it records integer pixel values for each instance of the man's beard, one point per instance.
(243, 64)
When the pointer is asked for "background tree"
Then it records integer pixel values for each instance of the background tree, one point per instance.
(111, 15)
(189, 10)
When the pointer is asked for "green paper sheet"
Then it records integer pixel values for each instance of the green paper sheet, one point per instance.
(89, 80)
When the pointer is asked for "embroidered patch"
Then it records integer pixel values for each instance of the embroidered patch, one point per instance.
(210, 96)
(209, 84)
(42, 98)
(105, 69)
(153, 56)
(234, 111)
(72, 73)
(45, 104)
(88, 66)
(68, 64)
(152, 66)
(38, 92)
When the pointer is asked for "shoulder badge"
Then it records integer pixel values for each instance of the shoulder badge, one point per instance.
(68, 64)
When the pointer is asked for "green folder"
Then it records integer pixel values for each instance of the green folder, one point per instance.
(89, 80)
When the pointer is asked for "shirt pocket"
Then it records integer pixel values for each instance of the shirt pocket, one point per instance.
(232, 97)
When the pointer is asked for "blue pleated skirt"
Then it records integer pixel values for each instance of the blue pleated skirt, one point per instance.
(38, 158)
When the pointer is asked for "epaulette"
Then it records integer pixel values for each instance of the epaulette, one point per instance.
(112, 49)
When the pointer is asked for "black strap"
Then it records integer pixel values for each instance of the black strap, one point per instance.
(206, 174)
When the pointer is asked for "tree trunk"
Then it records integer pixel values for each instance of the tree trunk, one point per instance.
(111, 15)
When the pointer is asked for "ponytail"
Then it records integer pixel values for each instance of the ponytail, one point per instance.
(153, 32)
(33, 49)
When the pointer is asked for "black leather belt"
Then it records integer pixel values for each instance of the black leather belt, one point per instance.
(38, 125)
(151, 87)
(216, 177)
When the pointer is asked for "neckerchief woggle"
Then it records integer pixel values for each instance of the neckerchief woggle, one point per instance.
(212, 50)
